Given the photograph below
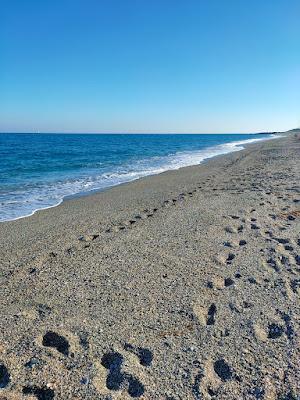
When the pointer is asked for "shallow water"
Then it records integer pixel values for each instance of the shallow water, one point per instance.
(38, 171)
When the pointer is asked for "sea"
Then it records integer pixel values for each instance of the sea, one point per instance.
(39, 171)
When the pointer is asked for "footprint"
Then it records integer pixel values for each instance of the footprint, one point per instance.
(211, 314)
(223, 370)
(117, 379)
(135, 388)
(275, 331)
(112, 229)
(88, 238)
(206, 316)
(242, 242)
(145, 355)
(52, 339)
(291, 218)
(228, 282)
(113, 362)
(230, 257)
(39, 393)
(4, 376)
(282, 241)
(272, 262)
(254, 226)
(289, 330)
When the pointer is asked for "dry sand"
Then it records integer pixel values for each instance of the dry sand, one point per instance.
(184, 285)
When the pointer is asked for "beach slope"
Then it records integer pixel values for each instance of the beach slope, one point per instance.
(184, 285)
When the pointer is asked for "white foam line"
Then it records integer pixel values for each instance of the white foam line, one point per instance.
(33, 212)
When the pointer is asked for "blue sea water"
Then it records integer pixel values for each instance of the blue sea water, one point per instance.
(38, 171)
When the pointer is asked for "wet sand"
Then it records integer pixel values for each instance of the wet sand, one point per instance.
(184, 285)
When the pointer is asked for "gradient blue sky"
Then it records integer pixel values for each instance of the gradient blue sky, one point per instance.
(149, 65)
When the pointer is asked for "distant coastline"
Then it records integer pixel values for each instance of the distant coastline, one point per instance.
(291, 131)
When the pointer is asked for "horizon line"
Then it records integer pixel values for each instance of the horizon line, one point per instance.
(146, 133)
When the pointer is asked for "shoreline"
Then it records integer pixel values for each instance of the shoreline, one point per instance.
(242, 143)
(181, 285)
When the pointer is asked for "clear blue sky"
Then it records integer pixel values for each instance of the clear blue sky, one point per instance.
(149, 65)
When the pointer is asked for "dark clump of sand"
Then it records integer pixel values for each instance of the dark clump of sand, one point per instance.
(184, 285)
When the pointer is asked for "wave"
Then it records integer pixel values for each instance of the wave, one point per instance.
(25, 202)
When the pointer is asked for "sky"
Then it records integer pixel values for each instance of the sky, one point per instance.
(205, 66)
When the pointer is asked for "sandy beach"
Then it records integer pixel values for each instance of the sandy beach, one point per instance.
(183, 285)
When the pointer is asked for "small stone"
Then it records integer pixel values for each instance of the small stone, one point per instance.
(84, 381)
